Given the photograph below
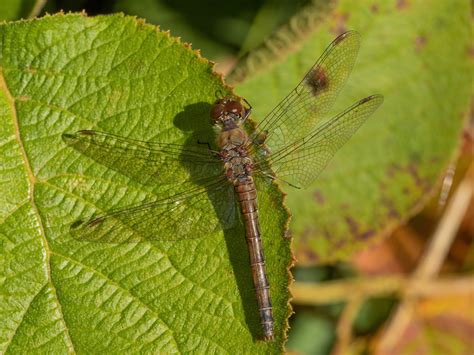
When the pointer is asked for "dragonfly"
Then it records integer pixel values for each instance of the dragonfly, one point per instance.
(291, 144)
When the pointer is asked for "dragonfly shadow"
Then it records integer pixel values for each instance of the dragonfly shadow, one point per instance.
(195, 119)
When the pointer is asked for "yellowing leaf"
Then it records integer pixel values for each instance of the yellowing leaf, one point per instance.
(418, 55)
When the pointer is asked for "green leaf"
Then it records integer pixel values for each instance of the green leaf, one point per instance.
(372, 313)
(416, 54)
(118, 75)
(16, 9)
(302, 334)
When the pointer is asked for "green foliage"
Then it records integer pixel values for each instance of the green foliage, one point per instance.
(115, 74)
(218, 30)
(414, 53)
(311, 334)
(372, 314)
(185, 19)
(16, 9)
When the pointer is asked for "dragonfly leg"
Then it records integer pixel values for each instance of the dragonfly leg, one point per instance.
(273, 177)
(260, 138)
(248, 110)
(205, 143)
(215, 152)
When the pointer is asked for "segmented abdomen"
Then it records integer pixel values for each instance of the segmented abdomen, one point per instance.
(247, 198)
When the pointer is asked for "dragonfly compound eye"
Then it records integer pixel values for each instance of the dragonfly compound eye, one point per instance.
(234, 107)
(217, 111)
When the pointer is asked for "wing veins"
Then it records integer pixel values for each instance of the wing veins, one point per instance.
(133, 212)
(274, 116)
(132, 146)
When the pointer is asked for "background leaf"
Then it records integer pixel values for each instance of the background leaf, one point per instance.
(387, 170)
(16, 9)
(184, 18)
(438, 325)
(218, 30)
(115, 74)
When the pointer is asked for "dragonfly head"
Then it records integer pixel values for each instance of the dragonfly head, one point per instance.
(227, 112)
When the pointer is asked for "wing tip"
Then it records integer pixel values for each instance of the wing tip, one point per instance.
(72, 138)
(378, 99)
(69, 138)
(348, 34)
(75, 228)
(78, 228)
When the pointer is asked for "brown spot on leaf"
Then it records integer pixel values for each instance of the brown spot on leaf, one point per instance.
(310, 256)
(392, 211)
(435, 160)
(392, 170)
(420, 43)
(317, 80)
(304, 252)
(353, 226)
(401, 4)
(340, 243)
(357, 231)
(367, 234)
(413, 171)
(374, 8)
(319, 197)
(470, 51)
(340, 19)
(383, 185)
(344, 206)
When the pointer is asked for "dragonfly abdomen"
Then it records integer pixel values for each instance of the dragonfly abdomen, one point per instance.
(247, 198)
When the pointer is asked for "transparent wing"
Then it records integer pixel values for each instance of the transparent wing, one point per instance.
(147, 162)
(202, 199)
(298, 113)
(190, 214)
(302, 161)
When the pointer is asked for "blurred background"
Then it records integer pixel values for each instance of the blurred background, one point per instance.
(411, 291)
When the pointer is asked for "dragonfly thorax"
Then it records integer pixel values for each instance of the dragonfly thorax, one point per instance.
(229, 139)
(238, 166)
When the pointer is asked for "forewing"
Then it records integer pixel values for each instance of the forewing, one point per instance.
(147, 162)
(190, 214)
(300, 163)
(298, 113)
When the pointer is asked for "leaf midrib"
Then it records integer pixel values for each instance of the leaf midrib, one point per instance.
(32, 180)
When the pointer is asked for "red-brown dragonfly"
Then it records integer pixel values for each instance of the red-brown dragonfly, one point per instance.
(293, 144)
